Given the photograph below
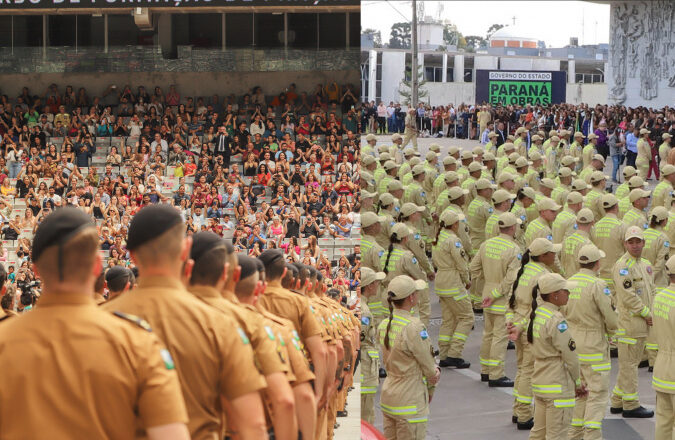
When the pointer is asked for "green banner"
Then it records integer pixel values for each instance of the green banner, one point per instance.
(520, 92)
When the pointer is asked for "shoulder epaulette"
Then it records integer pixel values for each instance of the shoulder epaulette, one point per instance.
(142, 323)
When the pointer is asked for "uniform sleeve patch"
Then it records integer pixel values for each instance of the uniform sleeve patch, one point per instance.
(242, 335)
(423, 194)
(607, 291)
(576, 226)
(458, 244)
(519, 256)
(168, 360)
(549, 237)
(424, 334)
(270, 333)
(523, 217)
(142, 323)
(645, 226)
(379, 254)
(490, 210)
(572, 345)
(666, 244)
(392, 223)
(623, 272)
(562, 326)
(365, 320)
(649, 270)
(397, 209)
(417, 236)
(414, 260)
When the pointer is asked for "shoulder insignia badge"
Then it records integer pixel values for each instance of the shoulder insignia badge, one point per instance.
(270, 333)
(379, 254)
(549, 237)
(576, 226)
(414, 260)
(666, 244)
(242, 335)
(645, 226)
(490, 210)
(458, 244)
(607, 291)
(417, 236)
(397, 209)
(572, 345)
(562, 326)
(142, 323)
(423, 194)
(168, 360)
(623, 272)
(519, 256)
(365, 320)
(649, 270)
(523, 217)
(392, 223)
(424, 334)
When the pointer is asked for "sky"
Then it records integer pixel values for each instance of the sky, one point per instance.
(553, 22)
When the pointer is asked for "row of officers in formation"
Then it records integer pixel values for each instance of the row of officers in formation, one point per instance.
(209, 345)
(558, 264)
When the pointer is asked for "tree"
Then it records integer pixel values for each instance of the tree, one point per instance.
(377, 36)
(474, 42)
(451, 35)
(400, 36)
(492, 29)
(406, 85)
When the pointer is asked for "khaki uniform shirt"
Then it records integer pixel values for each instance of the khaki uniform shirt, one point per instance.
(417, 246)
(634, 284)
(402, 262)
(622, 191)
(556, 365)
(608, 236)
(292, 306)
(657, 251)
(213, 355)
(564, 225)
(73, 370)
(371, 253)
(635, 218)
(593, 201)
(370, 356)
(476, 216)
(662, 195)
(663, 330)
(451, 260)
(519, 315)
(570, 251)
(538, 228)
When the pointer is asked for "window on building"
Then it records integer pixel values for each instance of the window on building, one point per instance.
(354, 29)
(269, 30)
(302, 31)
(122, 31)
(204, 30)
(61, 30)
(468, 75)
(332, 32)
(238, 30)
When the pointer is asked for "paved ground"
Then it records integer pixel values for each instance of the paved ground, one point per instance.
(464, 408)
(350, 426)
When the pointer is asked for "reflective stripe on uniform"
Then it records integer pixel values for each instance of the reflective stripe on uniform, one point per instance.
(419, 420)
(547, 389)
(368, 390)
(444, 338)
(592, 425)
(578, 422)
(629, 397)
(590, 357)
(460, 336)
(601, 367)
(651, 346)
(399, 410)
(563, 403)
(629, 341)
(663, 384)
(374, 354)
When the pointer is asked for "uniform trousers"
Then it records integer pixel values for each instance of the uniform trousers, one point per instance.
(493, 346)
(590, 410)
(367, 407)
(522, 387)
(651, 348)
(456, 326)
(642, 164)
(321, 422)
(665, 416)
(409, 135)
(401, 429)
(331, 416)
(625, 393)
(424, 307)
(550, 422)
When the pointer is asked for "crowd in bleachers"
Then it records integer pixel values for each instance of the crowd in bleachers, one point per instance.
(267, 171)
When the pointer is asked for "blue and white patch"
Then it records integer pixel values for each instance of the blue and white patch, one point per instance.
(490, 210)
(417, 236)
(414, 260)
(523, 217)
(576, 226)
(423, 194)
(424, 334)
(458, 244)
(562, 327)
(623, 272)
(379, 254)
(549, 237)
(519, 256)
(607, 291)
(645, 226)
(666, 244)
(392, 223)
(397, 209)
(168, 360)
(365, 320)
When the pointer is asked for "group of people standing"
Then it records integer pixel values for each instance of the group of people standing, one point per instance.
(530, 235)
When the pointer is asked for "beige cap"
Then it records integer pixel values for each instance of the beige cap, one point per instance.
(390, 165)
(410, 208)
(598, 176)
(400, 230)
(475, 166)
(456, 192)
(396, 137)
(394, 185)
(501, 195)
(466, 155)
(484, 184)
(636, 182)
(414, 161)
(540, 246)
(370, 218)
(541, 133)
(488, 156)
(435, 148)
(609, 200)
(589, 253)
(431, 156)
(634, 232)
(450, 217)
(670, 265)
(585, 216)
(403, 286)
(449, 160)
(555, 139)
(522, 162)
(552, 133)
(547, 204)
(453, 149)
(504, 176)
(599, 157)
(565, 132)
(492, 134)
(548, 183)
(579, 185)
(508, 146)
(386, 199)
(382, 148)
(513, 157)
(592, 136)
(369, 276)
(370, 137)
(574, 197)
(478, 151)
(507, 219)
(644, 131)
(659, 213)
(578, 134)
(451, 176)
(629, 171)
(520, 130)
(566, 172)
(510, 138)
(668, 169)
(408, 152)
(418, 169)
(534, 154)
(367, 160)
(553, 282)
(568, 160)
(365, 194)
(536, 138)
(529, 192)
(638, 193)
(385, 157)
(665, 136)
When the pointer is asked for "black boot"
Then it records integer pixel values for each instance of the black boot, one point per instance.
(613, 410)
(342, 413)
(526, 426)
(613, 352)
(503, 382)
(643, 364)
(383, 373)
(484, 377)
(511, 346)
(638, 413)
(458, 363)
(514, 419)
(650, 369)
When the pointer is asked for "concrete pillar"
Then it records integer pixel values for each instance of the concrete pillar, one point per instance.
(105, 33)
(165, 35)
(458, 71)
(45, 33)
(444, 74)
(223, 30)
(346, 30)
(372, 74)
(420, 65)
(571, 71)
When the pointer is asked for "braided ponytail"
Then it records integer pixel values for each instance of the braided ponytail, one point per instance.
(438, 233)
(535, 291)
(392, 240)
(523, 262)
(390, 301)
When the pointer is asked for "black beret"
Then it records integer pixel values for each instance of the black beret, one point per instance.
(151, 222)
(248, 265)
(59, 227)
(203, 242)
(271, 256)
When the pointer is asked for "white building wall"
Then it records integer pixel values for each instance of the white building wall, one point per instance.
(429, 35)
(591, 94)
(544, 64)
(507, 63)
(393, 69)
(485, 62)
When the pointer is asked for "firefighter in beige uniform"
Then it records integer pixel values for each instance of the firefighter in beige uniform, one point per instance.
(564, 224)
(389, 210)
(608, 237)
(572, 244)
(370, 356)
(411, 369)
(477, 213)
(555, 379)
(452, 282)
(497, 263)
(591, 317)
(636, 214)
(663, 380)
(372, 257)
(644, 153)
(537, 261)
(634, 286)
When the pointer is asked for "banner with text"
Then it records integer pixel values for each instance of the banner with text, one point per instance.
(76, 4)
(520, 87)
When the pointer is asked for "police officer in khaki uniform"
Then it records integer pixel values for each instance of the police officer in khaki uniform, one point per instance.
(410, 130)
(201, 339)
(593, 199)
(556, 378)
(572, 244)
(411, 216)
(455, 199)
(634, 284)
(564, 224)
(564, 186)
(407, 356)
(657, 245)
(541, 226)
(211, 271)
(373, 256)
(497, 262)
(644, 154)
(625, 203)
(370, 356)
(479, 211)
(452, 283)
(623, 190)
(54, 373)
(591, 317)
(388, 208)
(450, 180)
(663, 192)
(663, 380)
(608, 236)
